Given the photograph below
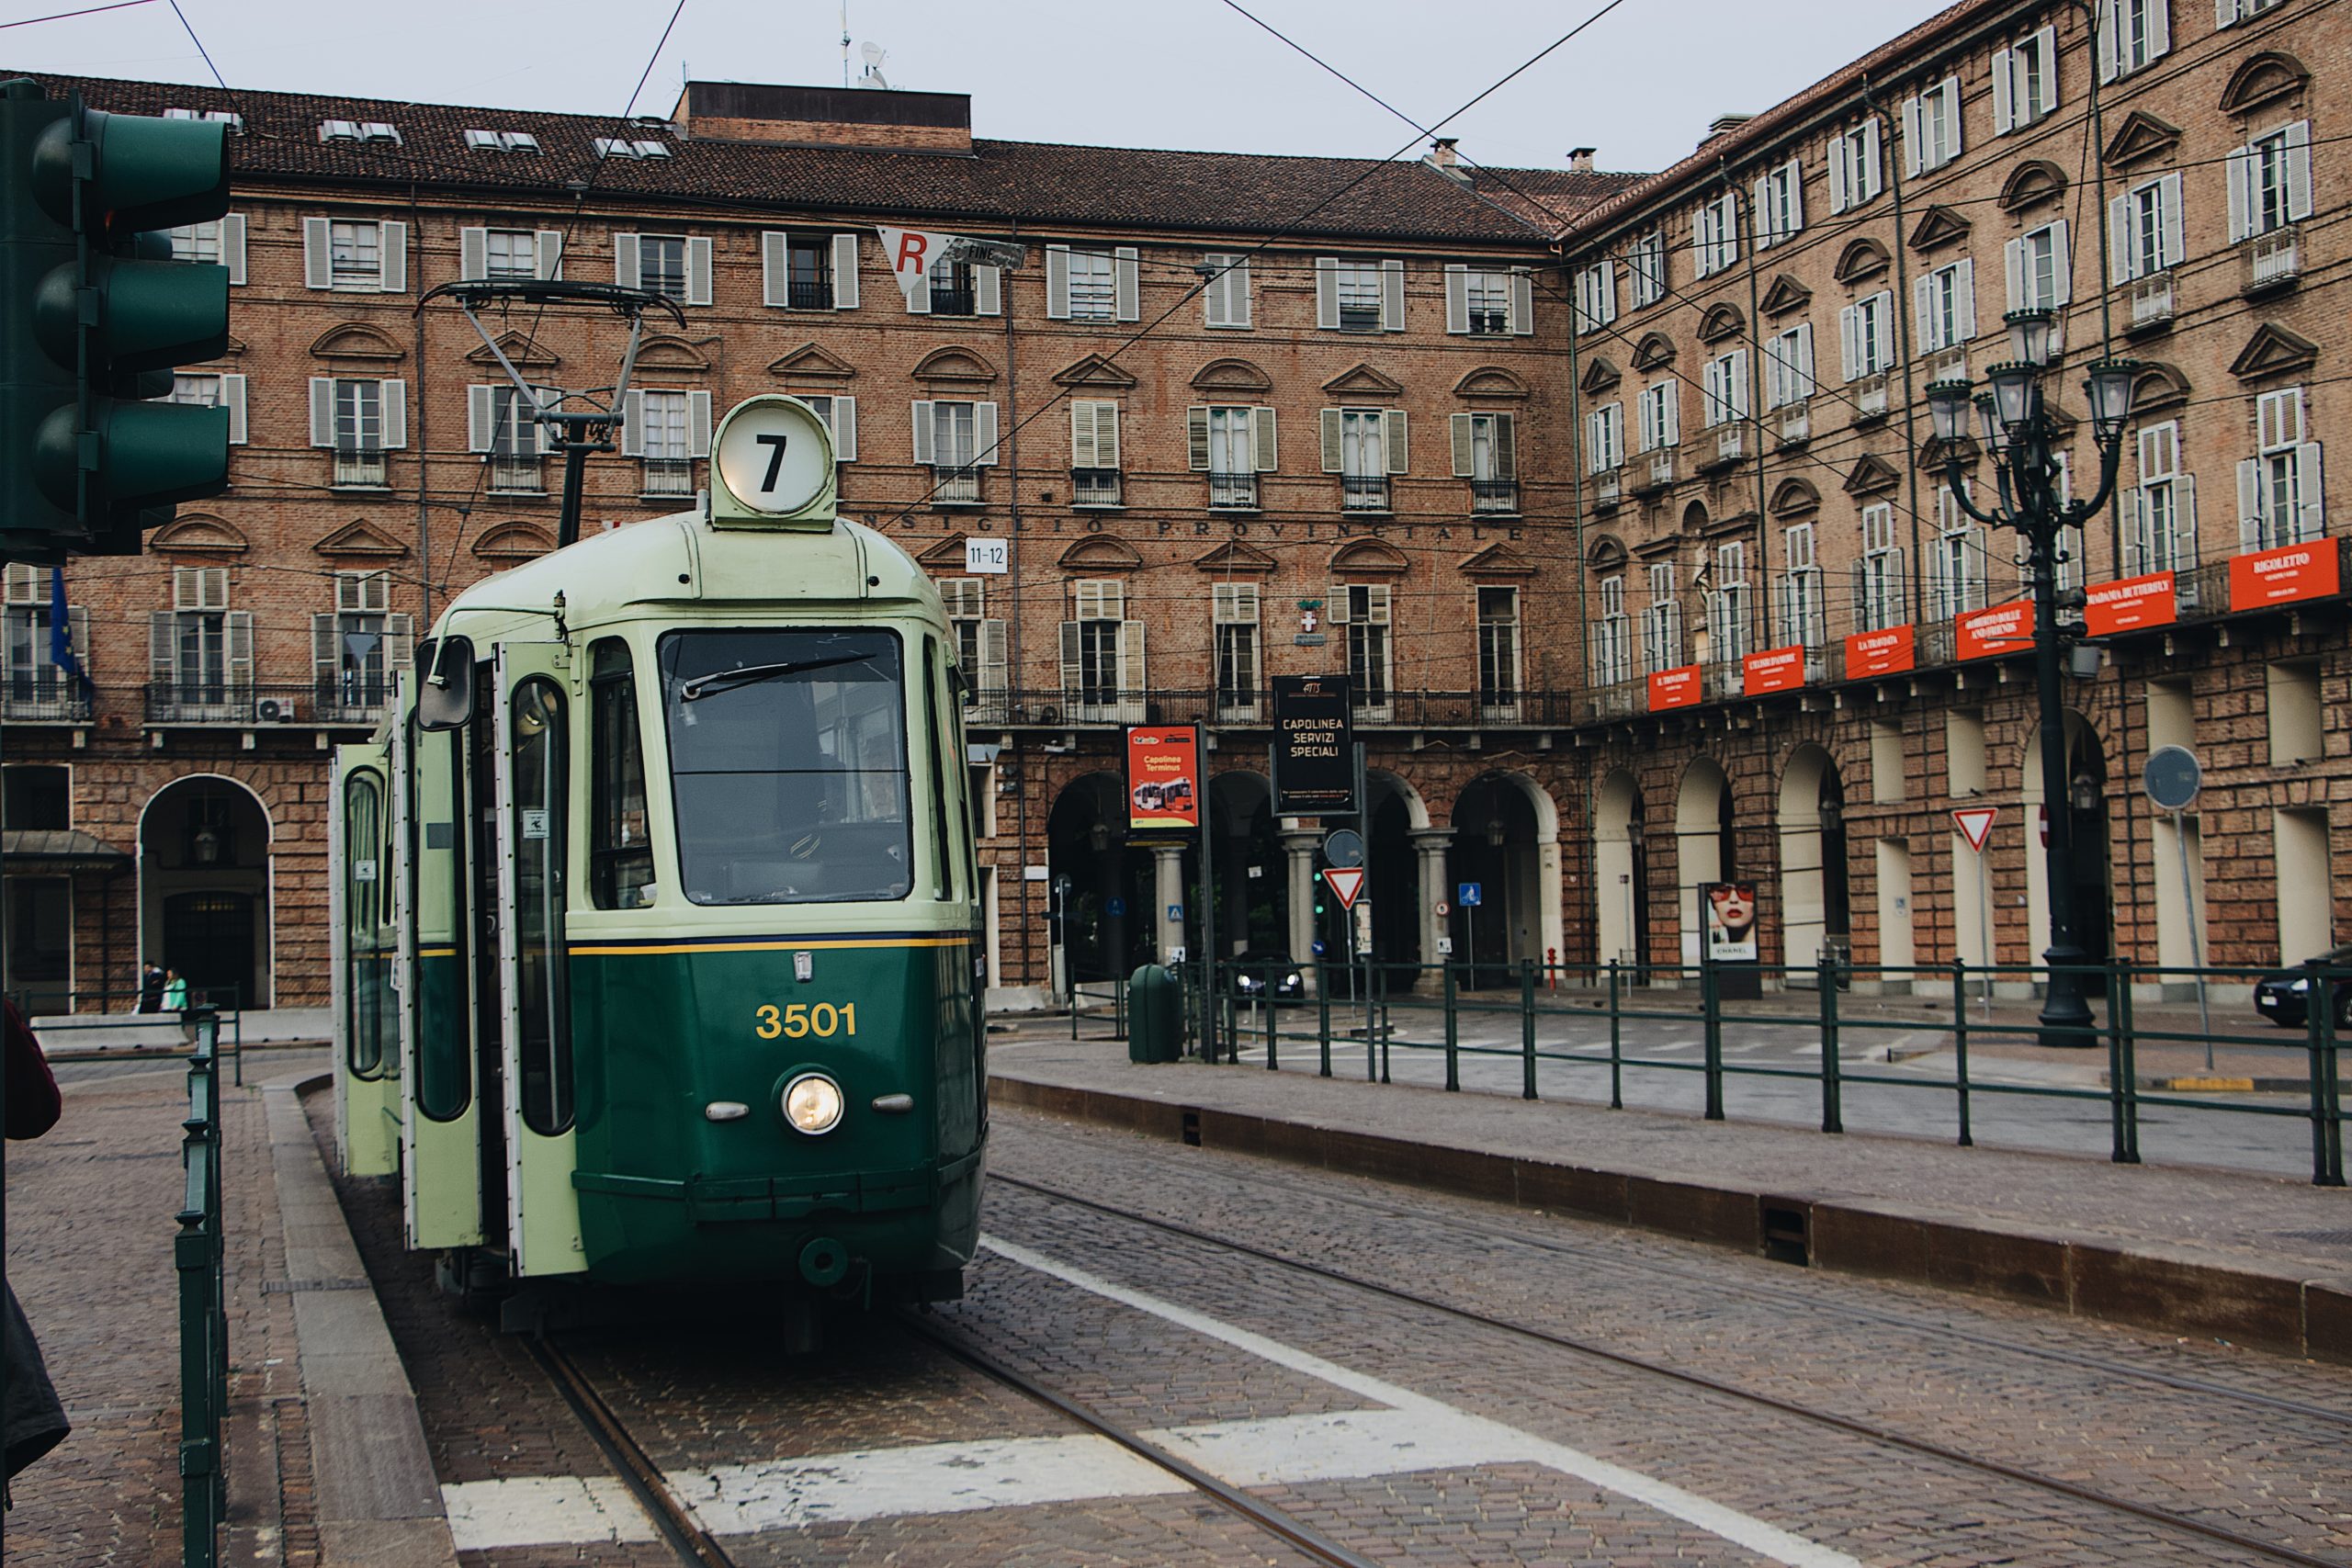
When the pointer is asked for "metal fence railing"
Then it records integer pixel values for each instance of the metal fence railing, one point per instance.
(1591, 1019)
(201, 1261)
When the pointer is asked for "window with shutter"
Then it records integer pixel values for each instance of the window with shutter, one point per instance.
(1357, 295)
(1092, 286)
(1226, 295)
(1646, 264)
(1596, 293)
(1094, 452)
(1499, 655)
(1232, 614)
(1605, 438)
(1661, 622)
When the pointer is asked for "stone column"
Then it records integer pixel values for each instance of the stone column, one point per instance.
(1437, 883)
(1167, 891)
(1298, 863)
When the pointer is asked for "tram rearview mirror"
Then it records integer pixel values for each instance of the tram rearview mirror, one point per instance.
(445, 683)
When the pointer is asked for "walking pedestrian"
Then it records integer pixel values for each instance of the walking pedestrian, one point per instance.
(34, 1419)
(151, 988)
(174, 992)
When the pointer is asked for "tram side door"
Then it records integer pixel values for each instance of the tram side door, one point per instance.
(441, 1176)
(366, 1106)
(532, 759)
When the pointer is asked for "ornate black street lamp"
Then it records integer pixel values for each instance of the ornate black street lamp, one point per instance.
(2018, 433)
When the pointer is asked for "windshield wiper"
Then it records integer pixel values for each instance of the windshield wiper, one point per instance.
(728, 680)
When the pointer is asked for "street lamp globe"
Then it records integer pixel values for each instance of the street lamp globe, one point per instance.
(1948, 410)
(1988, 425)
(2109, 388)
(2033, 336)
(2013, 395)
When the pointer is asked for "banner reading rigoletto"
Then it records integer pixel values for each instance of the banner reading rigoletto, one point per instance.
(1163, 790)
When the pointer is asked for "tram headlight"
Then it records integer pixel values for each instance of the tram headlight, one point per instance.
(813, 1103)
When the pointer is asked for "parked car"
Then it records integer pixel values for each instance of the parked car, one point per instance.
(2284, 998)
(1259, 975)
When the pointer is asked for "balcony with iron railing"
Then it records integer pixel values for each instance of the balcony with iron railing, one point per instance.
(1235, 492)
(955, 486)
(1495, 498)
(45, 696)
(356, 701)
(805, 293)
(1051, 708)
(2151, 306)
(667, 476)
(1364, 493)
(952, 301)
(513, 472)
(1094, 487)
(2273, 261)
(361, 468)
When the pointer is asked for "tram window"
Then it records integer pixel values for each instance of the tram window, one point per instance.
(620, 856)
(540, 808)
(437, 861)
(943, 882)
(364, 965)
(787, 764)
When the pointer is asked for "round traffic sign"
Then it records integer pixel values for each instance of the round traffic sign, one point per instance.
(2172, 777)
(774, 454)
(1343, 847)
(1442, 909)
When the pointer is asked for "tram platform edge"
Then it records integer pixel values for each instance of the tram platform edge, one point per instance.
(2193, 1250)
(376, 1496)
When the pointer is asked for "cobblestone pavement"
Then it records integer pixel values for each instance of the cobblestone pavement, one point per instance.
(90, 1229)
(1818, 1340)
(1405, 1435)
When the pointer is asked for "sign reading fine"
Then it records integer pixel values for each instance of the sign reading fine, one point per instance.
(1161, 792)
(1314, 747)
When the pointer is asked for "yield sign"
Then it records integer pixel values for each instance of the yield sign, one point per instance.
(1347, 882)
(1975, 824)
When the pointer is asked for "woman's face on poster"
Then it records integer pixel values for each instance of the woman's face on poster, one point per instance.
(1734, 910)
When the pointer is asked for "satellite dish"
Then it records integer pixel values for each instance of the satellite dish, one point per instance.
(874, 54)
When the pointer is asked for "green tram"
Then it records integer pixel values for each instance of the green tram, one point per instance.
(656, 907)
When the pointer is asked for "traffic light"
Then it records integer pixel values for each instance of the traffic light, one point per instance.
(96, 315)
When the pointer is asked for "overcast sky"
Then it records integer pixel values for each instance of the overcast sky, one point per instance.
(1640, 83)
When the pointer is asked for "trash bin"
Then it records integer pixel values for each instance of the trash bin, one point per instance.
(1155, 1015)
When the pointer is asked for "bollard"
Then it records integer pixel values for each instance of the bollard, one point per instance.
(1710, 1013)
(1323, 1013)
(1960, 1047)
(1833, 1115)
(1272, 1028)
(1616, 1045)
(2121, 1104)
(1453, 1046)
(1376, 991)
(2319, 1030)
(2119, 1007)
(1527, 1027)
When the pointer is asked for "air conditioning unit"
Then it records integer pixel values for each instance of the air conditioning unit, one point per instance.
(274, 710)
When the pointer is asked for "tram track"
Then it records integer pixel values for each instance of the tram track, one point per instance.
(697, 1548)
(1390, 1209)
(2015, 1475)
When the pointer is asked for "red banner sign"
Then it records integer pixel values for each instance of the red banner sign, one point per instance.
(1162, 789)
(2283, 575)
(1674, 688)
(2134, 602)
(2003, 628)
(1774, 670)
(1887, 651)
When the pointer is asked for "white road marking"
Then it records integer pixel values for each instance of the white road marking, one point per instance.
(543, 1510)
(936, 1478)
(1714, 1517)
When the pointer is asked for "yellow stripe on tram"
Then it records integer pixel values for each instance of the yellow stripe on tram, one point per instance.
(436, 952)
(620, 950)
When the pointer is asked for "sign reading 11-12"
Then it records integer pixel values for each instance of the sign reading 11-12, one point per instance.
(986, 555)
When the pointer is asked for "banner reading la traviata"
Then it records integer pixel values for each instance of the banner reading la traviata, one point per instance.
(1887, 651)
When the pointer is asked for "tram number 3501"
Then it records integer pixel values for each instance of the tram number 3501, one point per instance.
(797, 1020)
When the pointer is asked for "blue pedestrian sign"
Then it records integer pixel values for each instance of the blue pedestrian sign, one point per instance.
(1114, 908)
(1467, 896)
(1175, 911)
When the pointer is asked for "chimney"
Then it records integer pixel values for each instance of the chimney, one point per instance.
(1723, 124)
(1442, 153)
(893, 121)
(1580, 159)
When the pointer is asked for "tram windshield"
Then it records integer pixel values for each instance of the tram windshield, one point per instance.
(787, 764)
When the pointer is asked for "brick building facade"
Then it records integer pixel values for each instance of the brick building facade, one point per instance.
(1383, 444)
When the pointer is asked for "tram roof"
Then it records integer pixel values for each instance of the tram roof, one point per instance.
(681, 564)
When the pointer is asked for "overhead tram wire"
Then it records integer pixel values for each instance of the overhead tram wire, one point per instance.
(85, 11)
(1288, 228)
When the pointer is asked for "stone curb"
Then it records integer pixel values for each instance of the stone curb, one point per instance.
(379, 1504)
(2174, 1290)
